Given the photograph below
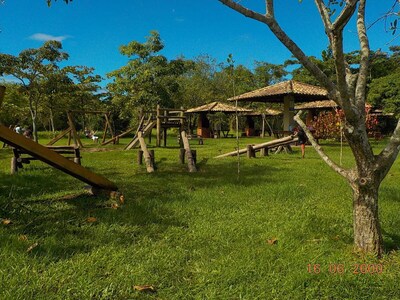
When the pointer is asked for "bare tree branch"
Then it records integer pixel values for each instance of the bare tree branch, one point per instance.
(345, 15)
(360, 92)
(323, 11)
(338, 169)
(288, 43)
(389, 154)
(270, 8)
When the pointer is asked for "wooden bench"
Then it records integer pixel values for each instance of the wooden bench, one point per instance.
(17, 160)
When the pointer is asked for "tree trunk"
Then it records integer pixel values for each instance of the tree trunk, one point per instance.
(367, 230)
(53, 130)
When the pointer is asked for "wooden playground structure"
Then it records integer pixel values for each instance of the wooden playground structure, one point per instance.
(73, 134)
(162, 119)
(36, 151)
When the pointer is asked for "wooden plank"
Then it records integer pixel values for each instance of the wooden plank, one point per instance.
(107, 116)
(118, 136)
(54, 159)
(60, 136)
(104, 132)
(147, 157)
(273, 143)
(145, 132)
(158, 142)
(132, 143)
(77, 140)
(189, 155)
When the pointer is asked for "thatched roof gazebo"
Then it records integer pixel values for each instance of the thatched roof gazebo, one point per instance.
(286, 92)
(218, 107)
(203, 124)
(324, 104)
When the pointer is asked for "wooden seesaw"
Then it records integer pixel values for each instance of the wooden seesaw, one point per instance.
(250, 149)
(53, 158)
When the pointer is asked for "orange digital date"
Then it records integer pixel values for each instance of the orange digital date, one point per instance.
(356, 269)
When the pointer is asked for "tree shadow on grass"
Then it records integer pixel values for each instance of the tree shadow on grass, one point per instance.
(35, 201)
(65, 226)
(391, 241)
(219, 174)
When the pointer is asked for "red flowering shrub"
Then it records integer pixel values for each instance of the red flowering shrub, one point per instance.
(327, 125)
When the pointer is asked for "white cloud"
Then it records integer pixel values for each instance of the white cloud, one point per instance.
(43, 37)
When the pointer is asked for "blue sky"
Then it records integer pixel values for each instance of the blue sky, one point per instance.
(92, 31)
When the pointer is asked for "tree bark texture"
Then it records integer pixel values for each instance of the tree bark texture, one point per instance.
(367, 230)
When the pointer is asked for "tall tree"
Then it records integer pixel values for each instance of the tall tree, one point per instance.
(31, 67)
(266, 73)
(147, 79)
(14, 109)
(349, 90)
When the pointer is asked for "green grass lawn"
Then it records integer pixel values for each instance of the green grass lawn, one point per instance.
(213, 234)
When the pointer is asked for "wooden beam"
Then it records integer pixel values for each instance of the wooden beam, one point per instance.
(147, 157)
(189, 155)
(145, 131)
(77, 140)
(104, 132)
(54, 159)
(274, 143)
(107, 116)
(60, 136)
(158, 142)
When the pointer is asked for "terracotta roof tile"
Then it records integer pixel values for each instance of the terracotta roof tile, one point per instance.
(316, 104)
(275, 93)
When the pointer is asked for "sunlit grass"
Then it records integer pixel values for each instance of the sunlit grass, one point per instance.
(205, 235)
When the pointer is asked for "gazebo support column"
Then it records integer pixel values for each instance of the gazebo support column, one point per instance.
(288, 112)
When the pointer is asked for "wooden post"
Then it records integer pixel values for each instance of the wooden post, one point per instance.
(165, 137)
(250, 151)
(182, 153)
(264, 151)
(146, 154)
(14, 167)
(182, 115)
(140, 157)
(60, 136)
(149, 134)
(108, 117)
(153, 158)
(263, 125)
(165, 120)
(194, 154)
(105, 132)
(75, 136)
(158, 144)
(77, 158)
(189, 156)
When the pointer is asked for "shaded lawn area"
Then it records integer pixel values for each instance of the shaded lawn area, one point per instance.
(208, 235)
